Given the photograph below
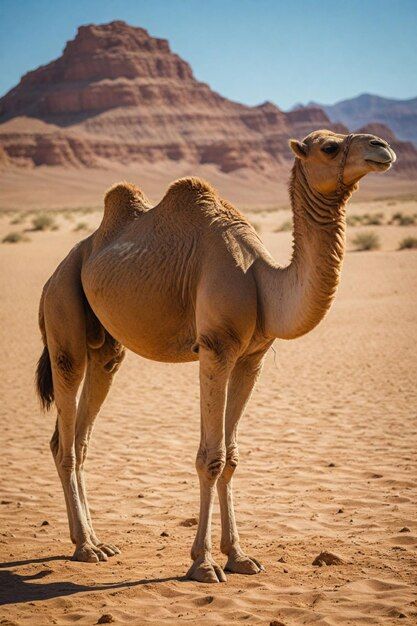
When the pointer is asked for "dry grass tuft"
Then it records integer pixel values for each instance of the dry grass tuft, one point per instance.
(367, 219)
(81, 226)
(44, 222)
(16, 220)
(408, 243)
(401, 219)
(366, 241)
(284, 227)
(15, 237)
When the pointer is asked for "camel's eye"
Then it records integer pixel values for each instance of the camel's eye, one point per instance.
(330, 148)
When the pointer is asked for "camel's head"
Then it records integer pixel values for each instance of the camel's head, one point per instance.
(331, 160)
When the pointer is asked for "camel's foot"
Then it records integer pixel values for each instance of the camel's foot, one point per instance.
(107, 548)
(89, 553)
(240, 563)
(205, 570)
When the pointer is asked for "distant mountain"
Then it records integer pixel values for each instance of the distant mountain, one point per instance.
(117, 94)
(399, 115)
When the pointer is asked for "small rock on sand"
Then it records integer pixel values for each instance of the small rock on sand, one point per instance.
(190, 521)
(276, 623)
(327, 558)
(164, 533)
(45, 523)
(107, 618)
(405, 529)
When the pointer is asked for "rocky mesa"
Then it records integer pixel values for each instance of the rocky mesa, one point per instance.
(118, 94)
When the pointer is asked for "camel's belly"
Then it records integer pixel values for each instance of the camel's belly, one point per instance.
(152, 339)
(146, 315)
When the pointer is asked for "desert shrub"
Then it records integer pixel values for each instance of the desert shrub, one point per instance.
(14, 237)
(44, 222)
(407, 220)
(400, 219)
(366, 219)
(376, 219)
(16, 220)
(366, 241)
(85, 210)
(81, 226)
(408, 243)
(353, 220)
(285, 226)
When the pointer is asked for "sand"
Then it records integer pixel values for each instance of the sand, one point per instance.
(62, 188)
(328, 463)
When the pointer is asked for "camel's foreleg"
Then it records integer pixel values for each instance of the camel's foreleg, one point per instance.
(101, 366)
(214, 373)
(241, 384)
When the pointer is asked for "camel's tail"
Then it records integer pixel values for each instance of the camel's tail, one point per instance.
(44, 384)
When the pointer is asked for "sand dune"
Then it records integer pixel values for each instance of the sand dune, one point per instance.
(327, 463)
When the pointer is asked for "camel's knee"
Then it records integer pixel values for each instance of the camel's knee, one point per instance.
(66, 464)
(68, 368)
(232, 460)
(210, 464)
(223, 346)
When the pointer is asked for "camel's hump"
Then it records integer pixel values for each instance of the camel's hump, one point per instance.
(190, 188)
(191, 192)
(123, 200)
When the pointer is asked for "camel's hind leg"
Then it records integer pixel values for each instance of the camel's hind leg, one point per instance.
(67, 372)
(67, 353)
(64, 330)
(102, 364)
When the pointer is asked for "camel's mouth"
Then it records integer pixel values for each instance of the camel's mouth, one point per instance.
(382, 158)
(380, 166)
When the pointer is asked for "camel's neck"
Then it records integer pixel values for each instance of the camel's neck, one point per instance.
(301, 293)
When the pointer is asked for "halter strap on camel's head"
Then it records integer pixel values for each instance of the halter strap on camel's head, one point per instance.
(333, 163)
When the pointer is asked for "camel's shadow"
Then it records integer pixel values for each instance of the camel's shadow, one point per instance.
(16, 588)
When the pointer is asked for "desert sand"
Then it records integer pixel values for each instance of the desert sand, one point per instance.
(328, 462)
(54, 188)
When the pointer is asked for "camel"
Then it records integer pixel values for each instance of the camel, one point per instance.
(188, 280)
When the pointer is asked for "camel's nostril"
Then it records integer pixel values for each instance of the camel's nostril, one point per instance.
(378, 142)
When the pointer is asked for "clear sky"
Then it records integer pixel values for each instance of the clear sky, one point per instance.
(248, 50)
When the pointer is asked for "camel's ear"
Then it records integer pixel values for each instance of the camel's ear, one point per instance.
(299, 148)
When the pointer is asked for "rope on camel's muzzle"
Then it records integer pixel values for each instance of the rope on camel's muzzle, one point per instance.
(341, 187)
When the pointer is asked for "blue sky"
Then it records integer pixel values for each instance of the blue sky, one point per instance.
(248, 50)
